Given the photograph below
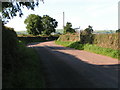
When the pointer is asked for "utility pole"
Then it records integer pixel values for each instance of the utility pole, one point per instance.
(63, 20)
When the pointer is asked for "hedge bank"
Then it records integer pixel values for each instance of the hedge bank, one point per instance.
(101, 40)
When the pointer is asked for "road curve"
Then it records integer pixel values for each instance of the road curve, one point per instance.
(69, 68)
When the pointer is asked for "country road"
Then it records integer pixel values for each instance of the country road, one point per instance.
(69, 68)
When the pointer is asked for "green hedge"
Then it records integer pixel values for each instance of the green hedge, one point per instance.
(9, 49)
(101, 40)
(69, 37)
(20, 65)
(107, 40)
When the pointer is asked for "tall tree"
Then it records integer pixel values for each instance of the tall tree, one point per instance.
(34, 24)
(68, 28)
(49, 24)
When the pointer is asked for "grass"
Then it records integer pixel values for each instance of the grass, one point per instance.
(27, 73)
(103, 51)
(65, 43)
(91, 48)
(32, 73)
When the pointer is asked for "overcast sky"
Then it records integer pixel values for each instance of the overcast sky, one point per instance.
(101, 14)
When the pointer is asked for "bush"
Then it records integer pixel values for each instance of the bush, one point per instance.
(68, 28)
(76, 45)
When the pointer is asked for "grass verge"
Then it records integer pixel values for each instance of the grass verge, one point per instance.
(91, 48)
(27, 73)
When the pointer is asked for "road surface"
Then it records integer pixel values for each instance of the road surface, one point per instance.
(69, 68)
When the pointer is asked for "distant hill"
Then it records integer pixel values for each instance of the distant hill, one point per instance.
(104, 31)
(25, 32)
(21, 32)
(59, 30)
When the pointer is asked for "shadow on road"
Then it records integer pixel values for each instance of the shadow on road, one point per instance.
(63, 70)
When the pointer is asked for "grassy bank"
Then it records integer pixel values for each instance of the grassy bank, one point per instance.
(27, 73)
(90, 47)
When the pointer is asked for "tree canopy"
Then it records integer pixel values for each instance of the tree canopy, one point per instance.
(49, 24)
(89, 30)
(40, 25)
(68, 28)
(117, 31)
(10, 9)
(34, 24)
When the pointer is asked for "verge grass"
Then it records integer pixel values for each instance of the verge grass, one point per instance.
(28, 72)
(91, 48)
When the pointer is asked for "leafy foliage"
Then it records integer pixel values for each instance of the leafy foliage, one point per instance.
(34, 24)
(86, 36)
(40, 25)
(49, 24)
(68, 28)
(10, 9)
(89, 30)
(117, 31)
(14, 59)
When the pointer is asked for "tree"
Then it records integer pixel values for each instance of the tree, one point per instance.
(34, 24)
(86, 35)
(10, 9)
(68, 28)
(117, 31)
(89, 30)
(49, 24)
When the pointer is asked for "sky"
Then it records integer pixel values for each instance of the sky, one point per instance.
(100, 14)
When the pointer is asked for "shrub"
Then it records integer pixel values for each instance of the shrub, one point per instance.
(76, 45)
(68, 28)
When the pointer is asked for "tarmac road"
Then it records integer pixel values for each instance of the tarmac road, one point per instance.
(65, 70)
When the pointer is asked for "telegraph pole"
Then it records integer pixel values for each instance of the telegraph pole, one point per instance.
(63, 20)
